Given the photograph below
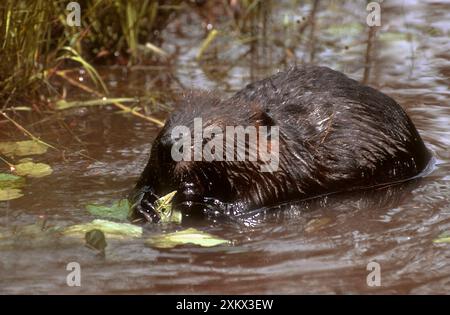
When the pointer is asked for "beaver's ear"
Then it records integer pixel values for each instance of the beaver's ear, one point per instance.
(263, 118)
(198, 99)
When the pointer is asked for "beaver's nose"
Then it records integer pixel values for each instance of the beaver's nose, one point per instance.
(187, 193)
(189, 200)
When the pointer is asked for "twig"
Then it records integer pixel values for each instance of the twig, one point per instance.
(27, 132)
(11, 166)
(312, 39)
(368, 59)
(63, 75)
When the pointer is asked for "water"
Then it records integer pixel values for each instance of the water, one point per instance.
(324, 248)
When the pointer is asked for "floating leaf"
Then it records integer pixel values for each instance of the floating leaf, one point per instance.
(111, 229)
(164, 209)
(95, 239)
(10, 193)
(188, 236)
(118, 210)
(22, 148)
(11, 181)
(32, 169)
(443, 238)
(175, 217)
(9, 186)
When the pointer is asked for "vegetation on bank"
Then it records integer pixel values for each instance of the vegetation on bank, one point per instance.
(37, 42)
(38, 46)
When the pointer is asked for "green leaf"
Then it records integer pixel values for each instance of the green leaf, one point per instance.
(11, 181)
(111, 229)
(443, 238)
(118, 210)
(188, 236)
(95, 239)
(10, 193)
(22, 148)
(164, 209)
(32, 169)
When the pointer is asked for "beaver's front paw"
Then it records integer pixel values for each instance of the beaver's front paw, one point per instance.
(143, 208)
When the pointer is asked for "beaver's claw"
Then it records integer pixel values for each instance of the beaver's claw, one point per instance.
(143, 208)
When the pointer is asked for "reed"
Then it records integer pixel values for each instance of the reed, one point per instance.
(26, 51)
(36, 42)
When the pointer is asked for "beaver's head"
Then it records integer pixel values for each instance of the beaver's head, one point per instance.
(212, 153)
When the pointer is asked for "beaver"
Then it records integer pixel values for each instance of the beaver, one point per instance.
(333, 135)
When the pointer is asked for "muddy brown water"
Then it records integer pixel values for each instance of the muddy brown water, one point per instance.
(320, 248)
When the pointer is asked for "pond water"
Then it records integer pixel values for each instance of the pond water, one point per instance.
(322, 248)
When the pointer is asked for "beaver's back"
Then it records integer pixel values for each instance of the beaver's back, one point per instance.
(344, 134)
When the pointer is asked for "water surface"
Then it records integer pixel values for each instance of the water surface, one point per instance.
(322, 248)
